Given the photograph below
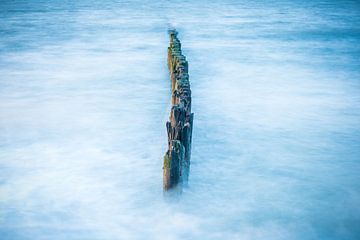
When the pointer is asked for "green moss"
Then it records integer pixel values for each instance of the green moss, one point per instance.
(166, 161)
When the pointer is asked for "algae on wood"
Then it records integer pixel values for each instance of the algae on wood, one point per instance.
(179, 127)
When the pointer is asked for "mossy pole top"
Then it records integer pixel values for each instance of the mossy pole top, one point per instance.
(173, 33)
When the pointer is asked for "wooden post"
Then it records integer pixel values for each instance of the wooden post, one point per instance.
(180, 125)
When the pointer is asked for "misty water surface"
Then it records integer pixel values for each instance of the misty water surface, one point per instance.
(85, 94)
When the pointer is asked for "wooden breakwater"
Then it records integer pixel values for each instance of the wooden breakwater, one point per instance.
(179, 127)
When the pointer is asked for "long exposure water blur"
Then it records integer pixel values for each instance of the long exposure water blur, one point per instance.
(85, 94)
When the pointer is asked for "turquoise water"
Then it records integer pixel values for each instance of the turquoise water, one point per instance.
(84, 97)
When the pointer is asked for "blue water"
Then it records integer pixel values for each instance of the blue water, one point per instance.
(84, 97)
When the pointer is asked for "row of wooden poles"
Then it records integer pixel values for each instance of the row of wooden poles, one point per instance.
(179, 127)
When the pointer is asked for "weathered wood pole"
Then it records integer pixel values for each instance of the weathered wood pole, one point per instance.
(179, 127)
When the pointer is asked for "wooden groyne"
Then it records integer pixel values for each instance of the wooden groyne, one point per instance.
(179, 127)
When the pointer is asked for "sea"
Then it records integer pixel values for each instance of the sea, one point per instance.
(85, 95)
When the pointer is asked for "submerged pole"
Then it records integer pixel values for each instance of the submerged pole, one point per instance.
(179, 127)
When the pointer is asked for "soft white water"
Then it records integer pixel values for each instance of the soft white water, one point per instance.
(84, 96)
